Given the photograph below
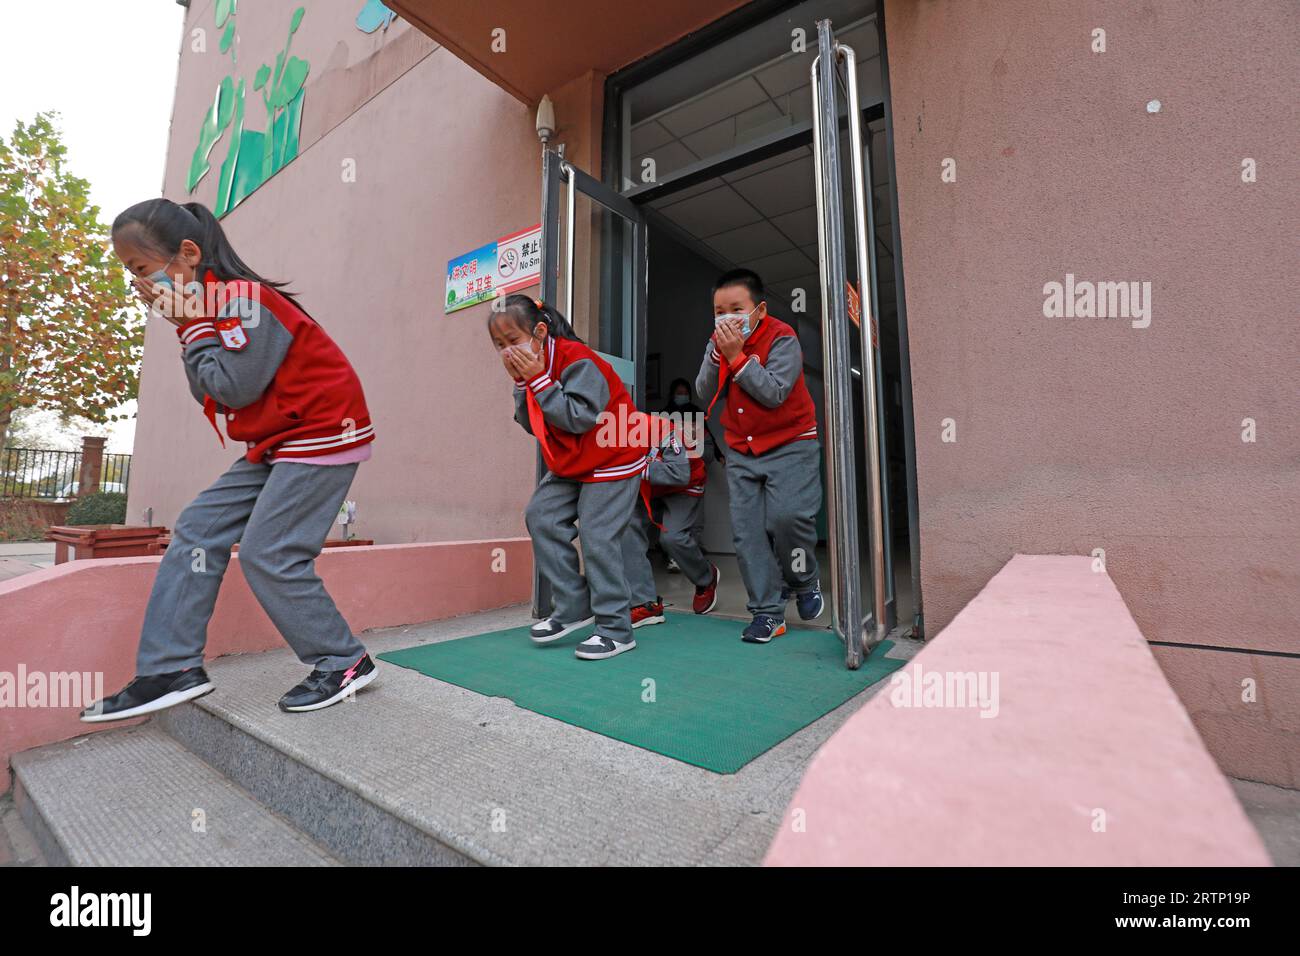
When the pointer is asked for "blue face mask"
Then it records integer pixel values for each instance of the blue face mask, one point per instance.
(745, 329)
(681, 399)
(162, 278)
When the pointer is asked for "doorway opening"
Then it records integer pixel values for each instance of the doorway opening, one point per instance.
(715, 160)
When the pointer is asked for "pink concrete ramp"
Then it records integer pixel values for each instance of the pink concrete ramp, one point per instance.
(1036, 729)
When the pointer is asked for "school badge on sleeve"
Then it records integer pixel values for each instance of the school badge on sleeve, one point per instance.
(233, 336)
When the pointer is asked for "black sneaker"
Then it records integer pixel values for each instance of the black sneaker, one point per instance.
(551, 629)
(762, 629)
(810, 602)
(147, 695)
(322, 688)
(598, 647)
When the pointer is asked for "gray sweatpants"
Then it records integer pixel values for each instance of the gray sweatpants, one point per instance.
(559, 509)
(678, 538)
(280, 515)
(775, 498)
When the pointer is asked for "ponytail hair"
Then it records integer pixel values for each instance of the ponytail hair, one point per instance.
(527, 312)
(161, 225)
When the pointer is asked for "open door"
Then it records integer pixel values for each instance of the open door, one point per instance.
(594, 251)
(860, 603)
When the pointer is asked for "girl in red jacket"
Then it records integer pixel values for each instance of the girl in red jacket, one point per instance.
(568, 396)
(286, 392)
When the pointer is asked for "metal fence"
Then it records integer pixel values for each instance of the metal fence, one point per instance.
(53, 475)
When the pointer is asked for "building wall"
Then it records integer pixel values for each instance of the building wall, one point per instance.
(1085, 433)
(444, 162)
(1072, 434)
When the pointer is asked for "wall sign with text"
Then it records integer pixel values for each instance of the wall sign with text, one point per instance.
(506, 265)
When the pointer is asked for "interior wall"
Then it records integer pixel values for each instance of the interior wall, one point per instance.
(1077, 434)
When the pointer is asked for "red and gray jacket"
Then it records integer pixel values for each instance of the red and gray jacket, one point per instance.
(670, 467)
(768, 404)
(281, 383)
(564, 404)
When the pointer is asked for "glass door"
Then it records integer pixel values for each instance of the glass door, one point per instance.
(861, 579)
(594, 251)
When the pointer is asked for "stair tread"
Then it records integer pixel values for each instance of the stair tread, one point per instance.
(128, 798)
(501, 784)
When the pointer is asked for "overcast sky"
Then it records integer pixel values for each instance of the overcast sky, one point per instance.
(109, 68)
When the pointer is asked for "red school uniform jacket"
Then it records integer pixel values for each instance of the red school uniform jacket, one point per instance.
(282, 384)
(577, 407)
(768, 405)
(671, 470)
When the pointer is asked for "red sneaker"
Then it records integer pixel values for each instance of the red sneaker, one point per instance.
(652, 612)
(706, 598)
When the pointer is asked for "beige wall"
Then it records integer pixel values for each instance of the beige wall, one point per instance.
(1075, 434)
(445, 161)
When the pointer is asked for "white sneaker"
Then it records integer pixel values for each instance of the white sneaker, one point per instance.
(552, 630)
(598, 647)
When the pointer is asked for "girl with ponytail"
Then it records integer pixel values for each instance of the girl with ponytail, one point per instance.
(566, 396)
(287, 394)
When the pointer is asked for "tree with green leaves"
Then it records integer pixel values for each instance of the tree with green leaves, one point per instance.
(71, 333)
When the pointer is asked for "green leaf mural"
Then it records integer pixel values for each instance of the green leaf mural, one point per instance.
(214, 124)
(252, 156)
(228, 37)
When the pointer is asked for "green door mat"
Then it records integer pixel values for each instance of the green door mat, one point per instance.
(692, 690)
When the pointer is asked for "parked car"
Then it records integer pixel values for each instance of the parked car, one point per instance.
(69, 491)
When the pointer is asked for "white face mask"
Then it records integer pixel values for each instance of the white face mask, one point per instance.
(745, 328)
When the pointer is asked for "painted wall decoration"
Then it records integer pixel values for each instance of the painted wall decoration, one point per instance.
(252, 156)
(374, 16)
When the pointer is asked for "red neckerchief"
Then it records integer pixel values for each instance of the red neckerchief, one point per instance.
(536, 419)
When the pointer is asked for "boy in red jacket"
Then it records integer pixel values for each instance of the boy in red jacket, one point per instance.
(773, 471)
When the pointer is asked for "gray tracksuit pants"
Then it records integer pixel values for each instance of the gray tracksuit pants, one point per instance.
(775, 498)
(679, 539)
(280, 515)
(560, 508)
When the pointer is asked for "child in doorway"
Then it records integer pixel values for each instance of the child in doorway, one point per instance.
(252, 355)
(563, 391)
(773, 472)
(674, 476)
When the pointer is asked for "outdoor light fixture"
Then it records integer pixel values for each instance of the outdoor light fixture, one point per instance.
(545, 119)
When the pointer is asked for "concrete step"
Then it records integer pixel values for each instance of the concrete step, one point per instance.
(417, 771)
(136, 797)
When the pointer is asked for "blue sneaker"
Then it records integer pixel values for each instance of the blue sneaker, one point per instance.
(810, 602)
(762, 629)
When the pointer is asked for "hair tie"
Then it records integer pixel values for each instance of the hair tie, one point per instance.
(538, 303)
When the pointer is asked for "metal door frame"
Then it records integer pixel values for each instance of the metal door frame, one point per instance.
(860, 633)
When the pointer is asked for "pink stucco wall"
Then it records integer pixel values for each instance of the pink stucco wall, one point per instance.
(1072, 434)
(85, 616)
(1077, 434)
(1077, 753)
(445, 162)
